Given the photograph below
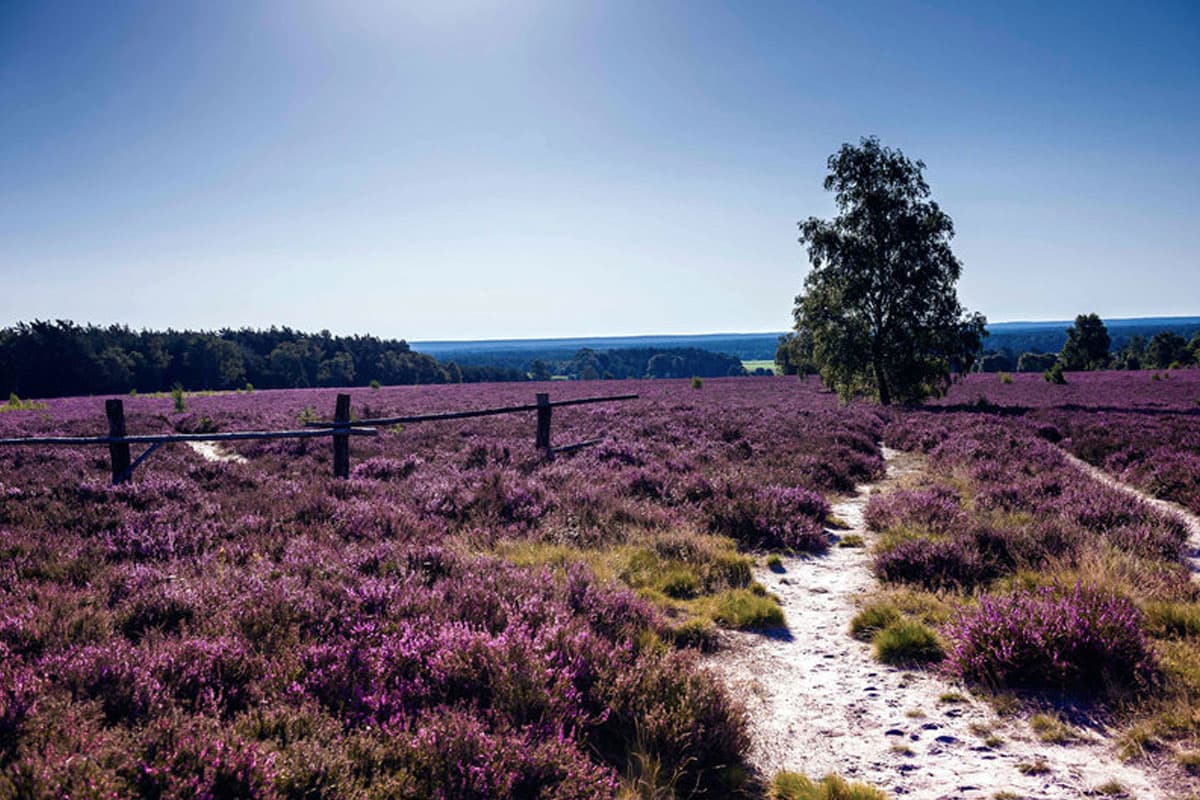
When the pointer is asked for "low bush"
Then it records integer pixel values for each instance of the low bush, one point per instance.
(1082, 639)
(774, 516)
(933, 563)
(925, 510)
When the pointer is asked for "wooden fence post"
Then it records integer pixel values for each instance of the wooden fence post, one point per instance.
(341, 441)
(118, 452)
(543, 421)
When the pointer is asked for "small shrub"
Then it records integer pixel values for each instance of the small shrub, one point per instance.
(1084, 639)
(177, 398)
(775, 563)
(851, 540)
(697, 383)
(773, 516)
(374, 384)
(249, 388)
(872, 619)
(1055, 375)
(908, 642)
(933, 510)
(933, 564)
(794, 786)
(1006, 378)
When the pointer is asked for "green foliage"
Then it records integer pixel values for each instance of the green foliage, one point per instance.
(1036, 362)
(880, 305)
(794, 786)
(374, 384)
(178, 399)
(17, 404)
(1167, 349)
(907, 641)
(1170, 619)
(1006, 378)
(1087, 344)
(697, 383)
(872, 619)
(1055, 374)
(743, 608)
(50, 359)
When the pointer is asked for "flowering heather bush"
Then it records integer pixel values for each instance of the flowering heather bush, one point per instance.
(933, 563)
(933, 510)
(1082, 639)
(258, 629)
(773, 516)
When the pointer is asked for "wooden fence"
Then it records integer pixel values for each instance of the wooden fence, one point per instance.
(340, 429)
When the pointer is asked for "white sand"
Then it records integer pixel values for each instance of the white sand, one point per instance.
(211, 451)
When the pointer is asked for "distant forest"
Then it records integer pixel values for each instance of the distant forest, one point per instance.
(61, 358)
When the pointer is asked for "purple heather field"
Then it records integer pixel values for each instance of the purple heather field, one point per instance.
(261, 629)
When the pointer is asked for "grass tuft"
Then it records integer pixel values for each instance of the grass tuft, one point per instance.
(1035, 767)
(794, 786)
(1051, 729)
(908, 642)
(742, 608)
(872, 619)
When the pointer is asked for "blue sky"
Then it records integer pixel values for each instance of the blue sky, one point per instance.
(460, 169)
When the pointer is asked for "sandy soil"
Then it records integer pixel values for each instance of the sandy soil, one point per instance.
(819, 703)
(211, 451)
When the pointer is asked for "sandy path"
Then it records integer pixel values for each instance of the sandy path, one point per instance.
(819, 703)
(1166, 506)
(211, 451)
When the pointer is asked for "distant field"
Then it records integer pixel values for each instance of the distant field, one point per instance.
(761, 363)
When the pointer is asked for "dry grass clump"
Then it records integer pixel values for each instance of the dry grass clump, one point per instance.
(794, 786)
(1052, 730)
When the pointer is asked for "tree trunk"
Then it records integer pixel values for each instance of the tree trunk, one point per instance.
(885, 393)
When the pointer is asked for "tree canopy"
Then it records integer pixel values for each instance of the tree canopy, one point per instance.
(880, 305)
(1087, 344)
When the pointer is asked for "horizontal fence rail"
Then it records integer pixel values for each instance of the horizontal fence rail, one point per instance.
(340, 429)
(166, 438)
(480, 412)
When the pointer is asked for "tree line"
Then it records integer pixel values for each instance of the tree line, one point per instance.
(639, 362)
(1089, 347)
(61, 358)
